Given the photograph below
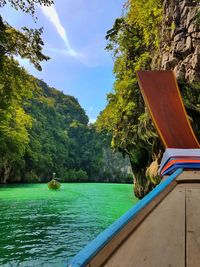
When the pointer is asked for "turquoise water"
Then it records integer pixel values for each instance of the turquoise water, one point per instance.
(40, 227)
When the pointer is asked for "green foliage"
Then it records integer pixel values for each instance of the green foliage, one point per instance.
(16, 88)
(61, 141)
(75, 176)
(132, 40)
(31, 177)
(147, 16)
(26, 5)
(41, 130)
(198, 18)
(44, 131)
(51, 148)
(26, 44)
(191, 97)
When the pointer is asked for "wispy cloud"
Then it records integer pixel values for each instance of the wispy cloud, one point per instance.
(91, 54)
(52, 15)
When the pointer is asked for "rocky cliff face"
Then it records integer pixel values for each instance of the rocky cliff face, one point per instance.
(180, 47)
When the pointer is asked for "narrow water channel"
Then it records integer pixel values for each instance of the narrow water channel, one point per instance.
(40, 227)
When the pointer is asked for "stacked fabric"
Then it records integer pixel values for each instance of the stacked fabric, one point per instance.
(174, 158)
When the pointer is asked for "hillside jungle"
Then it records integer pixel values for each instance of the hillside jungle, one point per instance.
(44, 131)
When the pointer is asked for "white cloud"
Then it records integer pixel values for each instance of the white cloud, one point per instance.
(92, 120)
(52, 15)
(92, 53)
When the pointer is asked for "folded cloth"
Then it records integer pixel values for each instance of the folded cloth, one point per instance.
(173, 161)
(176, 153)
(181, 165)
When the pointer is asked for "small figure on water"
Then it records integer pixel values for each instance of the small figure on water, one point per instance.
(54, 184)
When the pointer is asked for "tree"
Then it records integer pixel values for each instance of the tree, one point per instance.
(26, 44)
(16, 85)
(26, 5)
(61, 141)
(132, 41)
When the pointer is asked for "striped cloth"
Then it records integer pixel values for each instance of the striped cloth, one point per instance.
(174, 158)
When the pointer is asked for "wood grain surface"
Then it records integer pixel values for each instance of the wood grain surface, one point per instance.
(193, 227)
(160, 238)
(163, 99)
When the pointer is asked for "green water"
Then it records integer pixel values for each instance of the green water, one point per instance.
(40, 227)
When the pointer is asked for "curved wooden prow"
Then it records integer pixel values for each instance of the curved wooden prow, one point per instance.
(162, 97)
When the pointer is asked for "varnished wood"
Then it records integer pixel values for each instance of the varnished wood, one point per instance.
(162, 97)
(159, 241)
(193, 227)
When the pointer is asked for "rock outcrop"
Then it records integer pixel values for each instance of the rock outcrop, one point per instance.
(180, 46)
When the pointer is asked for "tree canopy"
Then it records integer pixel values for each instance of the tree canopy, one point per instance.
(26, 43)
(132, 40)
(16, 86)
(51, 134)
(27, 6)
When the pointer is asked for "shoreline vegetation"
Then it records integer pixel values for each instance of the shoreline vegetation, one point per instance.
(63, 183)
(62, 140)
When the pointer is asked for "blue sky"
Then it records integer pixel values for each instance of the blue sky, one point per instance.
(74, 37)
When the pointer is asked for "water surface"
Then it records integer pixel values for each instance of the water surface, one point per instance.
(40, 227)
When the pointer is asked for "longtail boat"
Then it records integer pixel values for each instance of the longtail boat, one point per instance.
(162, 229)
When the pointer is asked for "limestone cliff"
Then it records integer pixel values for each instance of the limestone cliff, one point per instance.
(180, 46)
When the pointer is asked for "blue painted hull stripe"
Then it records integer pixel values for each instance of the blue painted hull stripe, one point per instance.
(181, 165)
(88, 252)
